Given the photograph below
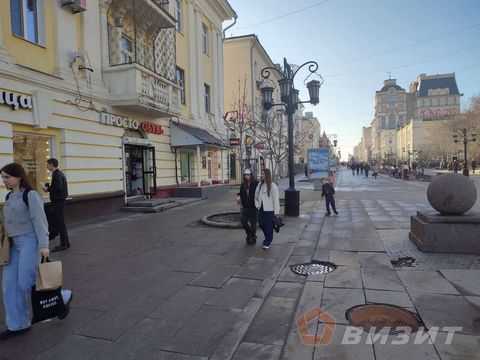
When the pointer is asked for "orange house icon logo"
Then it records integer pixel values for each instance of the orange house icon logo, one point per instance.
(321, 339)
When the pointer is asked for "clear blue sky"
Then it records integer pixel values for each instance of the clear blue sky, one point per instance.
(356, 42)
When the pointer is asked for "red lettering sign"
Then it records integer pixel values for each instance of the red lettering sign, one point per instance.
(152, 128)
(428, 112)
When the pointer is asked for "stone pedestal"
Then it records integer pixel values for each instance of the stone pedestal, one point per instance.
(434, 232)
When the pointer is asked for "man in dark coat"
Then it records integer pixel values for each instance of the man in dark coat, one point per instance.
(58, 190)
(249, 213)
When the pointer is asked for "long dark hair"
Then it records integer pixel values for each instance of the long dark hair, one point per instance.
(268, 180)
(17, 170)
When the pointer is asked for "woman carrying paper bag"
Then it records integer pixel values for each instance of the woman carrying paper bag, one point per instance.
(27, 226)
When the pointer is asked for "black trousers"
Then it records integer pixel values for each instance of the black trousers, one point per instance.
(330, 200)
(248, 218)
(56, 222)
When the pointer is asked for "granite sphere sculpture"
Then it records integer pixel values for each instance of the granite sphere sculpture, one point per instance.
(452, 194)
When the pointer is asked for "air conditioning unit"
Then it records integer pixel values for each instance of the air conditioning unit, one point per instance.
(76, 6)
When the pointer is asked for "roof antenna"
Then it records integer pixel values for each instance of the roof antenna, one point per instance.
(389, 75)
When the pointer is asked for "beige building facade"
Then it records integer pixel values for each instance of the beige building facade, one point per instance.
(100, 89)
(245, 57)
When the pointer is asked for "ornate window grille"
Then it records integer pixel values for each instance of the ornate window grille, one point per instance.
(138, 33)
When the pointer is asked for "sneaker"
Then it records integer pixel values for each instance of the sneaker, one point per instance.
(7, 334)
(336, 212)
(266, 247)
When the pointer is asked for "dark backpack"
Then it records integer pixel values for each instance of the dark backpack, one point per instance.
(24, 196)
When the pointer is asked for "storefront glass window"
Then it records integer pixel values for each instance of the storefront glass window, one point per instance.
(32, 152)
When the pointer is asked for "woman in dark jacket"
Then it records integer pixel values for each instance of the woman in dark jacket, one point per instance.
(249, 213)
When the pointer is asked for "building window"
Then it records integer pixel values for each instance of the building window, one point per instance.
(391, 121)
(126, 50)
(27, 20)
(207, 98)
(178, 15)
(205, 38)
(181, 83)
(32, 152)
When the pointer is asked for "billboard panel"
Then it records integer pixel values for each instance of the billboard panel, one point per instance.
(318, 162)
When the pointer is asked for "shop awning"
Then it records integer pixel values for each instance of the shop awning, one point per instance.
(182, 135)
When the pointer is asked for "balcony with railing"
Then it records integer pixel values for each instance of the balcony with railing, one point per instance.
(142, 57)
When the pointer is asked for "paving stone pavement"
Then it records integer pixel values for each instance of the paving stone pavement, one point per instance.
(370, 232)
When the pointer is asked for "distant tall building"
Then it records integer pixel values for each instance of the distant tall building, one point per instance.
(390, 113)
(407, 124)
(435, 96)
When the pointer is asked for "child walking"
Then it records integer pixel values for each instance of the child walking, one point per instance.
(328, 191)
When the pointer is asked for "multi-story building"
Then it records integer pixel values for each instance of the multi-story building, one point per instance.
(434, 101)
(409, 124)
(309, 130)
(390, 112)
(122, 92)
(244, 59)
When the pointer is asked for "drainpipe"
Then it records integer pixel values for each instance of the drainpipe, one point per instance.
(254, 89)
(235, 17)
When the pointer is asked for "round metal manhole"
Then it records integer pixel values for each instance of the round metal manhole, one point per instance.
(313, 268)
(383, 318)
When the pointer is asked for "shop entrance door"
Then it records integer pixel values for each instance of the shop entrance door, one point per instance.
(149, 172)
(140, 172)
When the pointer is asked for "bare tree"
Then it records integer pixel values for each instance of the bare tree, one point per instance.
(271, 130)
(236, 121)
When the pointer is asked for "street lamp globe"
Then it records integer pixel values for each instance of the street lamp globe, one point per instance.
(313, 87)
(267, 97)
(286, 86)
(474, 137)
(455, 138)
(296, 98)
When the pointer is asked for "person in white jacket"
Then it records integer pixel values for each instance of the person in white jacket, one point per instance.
(267, 200)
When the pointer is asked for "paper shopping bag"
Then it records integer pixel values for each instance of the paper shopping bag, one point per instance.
(47, 304)
(49, 275)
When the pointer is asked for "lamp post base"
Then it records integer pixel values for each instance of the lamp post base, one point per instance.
(292, 202)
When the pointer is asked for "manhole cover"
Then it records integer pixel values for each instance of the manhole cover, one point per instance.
(313, 268)
(390, 318)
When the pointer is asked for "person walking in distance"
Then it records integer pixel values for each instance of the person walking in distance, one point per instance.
(248, 213)
(267, 200)
(328, 191)
(58, 191)
(332, 178)
(474, 166)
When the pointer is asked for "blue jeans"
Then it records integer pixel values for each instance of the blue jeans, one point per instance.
(18, 279)
(265, 221)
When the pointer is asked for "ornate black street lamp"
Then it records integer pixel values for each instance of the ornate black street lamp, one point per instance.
(290, 99)
(473, 138)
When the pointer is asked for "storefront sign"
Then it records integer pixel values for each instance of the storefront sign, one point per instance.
(15, 101)
(152, 128)
(125, 122)
(428, 112)
(115, 120)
